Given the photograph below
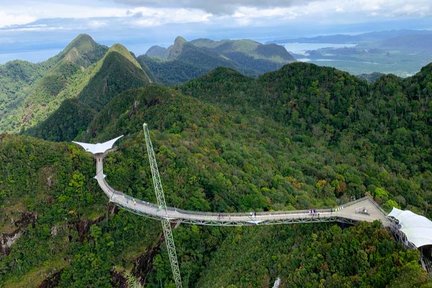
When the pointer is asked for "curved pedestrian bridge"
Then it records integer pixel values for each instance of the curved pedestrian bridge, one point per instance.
(364, 209)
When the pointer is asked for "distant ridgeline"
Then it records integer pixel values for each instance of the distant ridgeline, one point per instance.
(184, 60)
(301, 137)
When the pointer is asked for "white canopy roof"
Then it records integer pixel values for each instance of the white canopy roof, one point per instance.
(417, 228)
(98, 148)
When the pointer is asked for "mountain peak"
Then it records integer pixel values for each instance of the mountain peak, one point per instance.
(117, 47)
(83, 51)
(176, 49)
(157, 51)
(83, 43)
(122, 50)
(83, 37)
(179, 40)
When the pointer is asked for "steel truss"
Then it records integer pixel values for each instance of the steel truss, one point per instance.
(160, 197)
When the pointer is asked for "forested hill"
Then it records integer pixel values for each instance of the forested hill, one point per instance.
(81, 78)
(388, 120)
(49, 84)
(185, 60)
(298, 138)
(116, 72)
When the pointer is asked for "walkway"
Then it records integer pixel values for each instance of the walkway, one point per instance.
(364, 209)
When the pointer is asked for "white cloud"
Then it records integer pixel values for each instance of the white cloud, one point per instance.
(8, 19)
(231, 7)
(245, 16)
(219, 7)
(97, 17)
(27, 12)
(98, 14)
(331, 11)
(143, 16)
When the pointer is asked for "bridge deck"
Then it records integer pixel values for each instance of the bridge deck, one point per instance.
(364, 209)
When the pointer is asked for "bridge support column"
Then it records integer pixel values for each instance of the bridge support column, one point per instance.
(99, 164)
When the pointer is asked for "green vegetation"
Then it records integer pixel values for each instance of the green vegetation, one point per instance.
(171, 72)
(190, 63)
(384, 124)
(117, 71)
(54, 181)
(253, 49)
(301, 137)
(53, 81)
(313, 256)
(15, 79)
(184, 60)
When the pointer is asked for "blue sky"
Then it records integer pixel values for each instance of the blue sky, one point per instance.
(35, 30)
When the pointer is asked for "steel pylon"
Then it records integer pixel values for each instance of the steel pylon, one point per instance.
(160, 198)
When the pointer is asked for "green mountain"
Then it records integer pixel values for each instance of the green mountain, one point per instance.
(184, 60)
(231, 48)
(15, 79)
(300, 137)
(83, 51)
(19, 79)
(175, 50)
(57, 79)
(116, 72)
(337, 109)
(157, 52)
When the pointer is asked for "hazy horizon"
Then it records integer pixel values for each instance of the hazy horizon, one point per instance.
(32, 30)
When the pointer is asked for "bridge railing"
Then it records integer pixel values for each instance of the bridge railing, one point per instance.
(326, 210)
(354, 201)
(363, 199)
(222, 215)
(247, 214)
(250, 213)
(215, 214)
(379, 207)
(129, 198)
